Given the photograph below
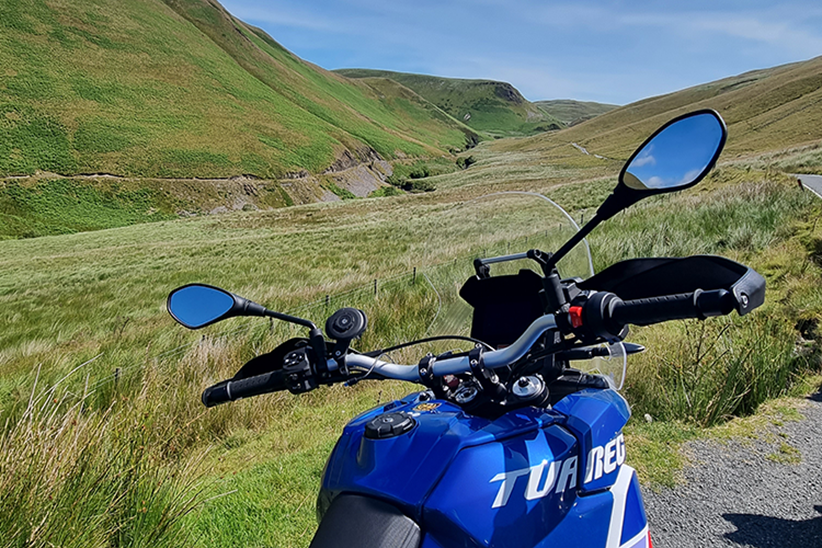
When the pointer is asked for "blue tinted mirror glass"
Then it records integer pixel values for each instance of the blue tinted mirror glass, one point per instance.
(198, 305)
(677, 156)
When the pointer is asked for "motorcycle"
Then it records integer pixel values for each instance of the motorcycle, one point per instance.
(506, 444)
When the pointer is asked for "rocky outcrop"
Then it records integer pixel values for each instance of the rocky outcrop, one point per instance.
(348, 160)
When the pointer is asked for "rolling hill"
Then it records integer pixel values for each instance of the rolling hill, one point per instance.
(766, 110)
(494, 108)
(571, 112)
(180, 88)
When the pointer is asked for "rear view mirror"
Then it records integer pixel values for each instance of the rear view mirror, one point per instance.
(198, 305)
(677, 156)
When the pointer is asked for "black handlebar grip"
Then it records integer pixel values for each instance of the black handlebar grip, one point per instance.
(226, 391)
(698, 304)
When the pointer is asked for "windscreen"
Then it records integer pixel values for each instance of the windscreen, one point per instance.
(493, 226)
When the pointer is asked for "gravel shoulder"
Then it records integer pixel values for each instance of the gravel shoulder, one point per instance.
(761, 493)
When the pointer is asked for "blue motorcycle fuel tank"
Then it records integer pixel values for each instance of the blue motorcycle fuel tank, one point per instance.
(530, 478)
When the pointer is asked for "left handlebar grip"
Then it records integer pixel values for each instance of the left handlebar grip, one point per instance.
(227, 391)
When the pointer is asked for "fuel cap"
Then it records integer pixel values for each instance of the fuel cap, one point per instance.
(389, 425)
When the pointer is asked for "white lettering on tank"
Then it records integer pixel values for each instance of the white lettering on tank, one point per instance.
(560, 475)
(610, 456)
(568, 475)
(508, 480)
(594, 466)
(605, 459)
(620, 449)
(533, 491)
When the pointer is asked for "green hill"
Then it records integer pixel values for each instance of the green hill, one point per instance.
(495, 108)
(766, 110)
(181, 89)
(571, 112)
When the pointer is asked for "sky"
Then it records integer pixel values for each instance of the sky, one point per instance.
(606, 51)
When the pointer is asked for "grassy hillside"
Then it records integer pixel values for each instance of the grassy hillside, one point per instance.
(183, 89)
(495, 108)
(766, 110)
(571, 112)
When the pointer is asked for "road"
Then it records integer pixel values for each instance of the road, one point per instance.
(812, 182)
(762, 493)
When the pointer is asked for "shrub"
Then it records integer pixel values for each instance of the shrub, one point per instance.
(464, 162)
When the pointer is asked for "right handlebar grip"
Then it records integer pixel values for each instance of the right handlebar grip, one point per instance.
(227, 391)
(699, 304)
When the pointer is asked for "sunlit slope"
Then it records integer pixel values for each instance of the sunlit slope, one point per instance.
(765, 110)
(182, 88)
(571, 112)
(496, 108)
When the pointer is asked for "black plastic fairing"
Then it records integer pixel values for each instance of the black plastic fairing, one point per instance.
(354, 521)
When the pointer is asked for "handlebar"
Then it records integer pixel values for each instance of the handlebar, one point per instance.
(227, 391)
(603, 315)
(453, 366)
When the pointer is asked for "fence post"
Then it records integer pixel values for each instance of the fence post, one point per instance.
(375, 288)
(327, 301)
(414, 277)
(116, 377)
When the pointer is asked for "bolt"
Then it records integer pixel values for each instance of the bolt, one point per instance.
(423, 372)
(523, 382)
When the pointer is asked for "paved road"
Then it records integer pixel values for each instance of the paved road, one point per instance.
(813, 182)
(736, 495)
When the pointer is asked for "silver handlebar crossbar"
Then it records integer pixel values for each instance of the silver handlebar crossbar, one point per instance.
(455, 366)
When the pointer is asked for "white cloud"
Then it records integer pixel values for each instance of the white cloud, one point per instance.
(778, 29)
(644, 159)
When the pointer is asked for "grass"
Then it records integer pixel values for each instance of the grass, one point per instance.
(494, 108)
(61, 206)
(573, 112)
(204, 97)
(655, 448)
(766, 111)
(96, 298)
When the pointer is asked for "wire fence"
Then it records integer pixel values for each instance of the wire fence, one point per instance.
(319, 307)
(361, 296)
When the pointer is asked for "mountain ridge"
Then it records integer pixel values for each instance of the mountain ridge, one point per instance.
(492, 107)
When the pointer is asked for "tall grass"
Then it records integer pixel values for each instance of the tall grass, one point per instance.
(73, 476)
(151, 467)
(705, 373)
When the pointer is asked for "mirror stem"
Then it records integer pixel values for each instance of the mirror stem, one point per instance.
(616, 202)
(575, 239)
(286, 318)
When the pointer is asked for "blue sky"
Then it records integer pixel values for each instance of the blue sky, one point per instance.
(612, 52)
